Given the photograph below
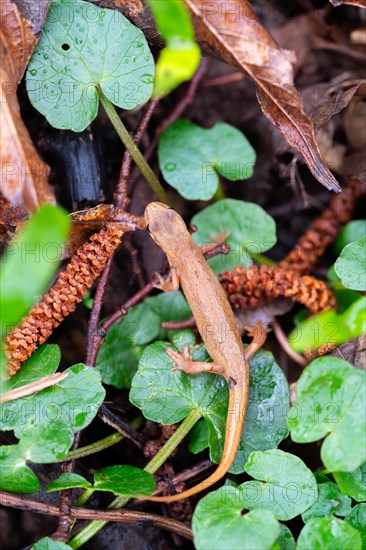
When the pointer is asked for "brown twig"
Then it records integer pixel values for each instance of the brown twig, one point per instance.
(93, 335)
(282, 340)
(33, 387)
(116, 422)
(179, 325)
(121, 515)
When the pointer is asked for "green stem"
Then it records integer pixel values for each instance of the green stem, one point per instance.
(134, 151)
(85, 495)
(325, 471)
(219, 195)
(261, 258)
(95, 526)
(100, 445)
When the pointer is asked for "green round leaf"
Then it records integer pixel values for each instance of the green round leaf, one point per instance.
(45, 442)
(43, 362)
(83, 46)
(75, 400)
(330, 401)
(123, 346)
(16, 477)
(285, 541)
(352, 231)
(198, 437)
(67, 481)
(353, 483)
(250, 230)
(218, 523)
(124, 480)
(328, 534)
(288, 489)
(330, 502)
(265, 420)
(351, 265)
(49, 544)
(168, 396)
(127, 338)
(357, 518)
(191, 157)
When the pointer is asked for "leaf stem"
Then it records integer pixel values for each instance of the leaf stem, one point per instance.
(134, 151)
(219, 195)
(261, 258)
(101, 444)
(95, 526)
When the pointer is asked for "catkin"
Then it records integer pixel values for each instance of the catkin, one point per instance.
(69, 289)
(257, 286)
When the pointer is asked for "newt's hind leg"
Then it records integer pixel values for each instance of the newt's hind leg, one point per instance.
(259, 334)
(184, 363)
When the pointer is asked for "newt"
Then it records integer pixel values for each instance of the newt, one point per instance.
(216, 324)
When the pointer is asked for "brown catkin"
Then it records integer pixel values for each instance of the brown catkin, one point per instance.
(257, 286)
(62, 298)
(324, 230)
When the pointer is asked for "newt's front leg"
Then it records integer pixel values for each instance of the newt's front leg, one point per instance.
(184, 363)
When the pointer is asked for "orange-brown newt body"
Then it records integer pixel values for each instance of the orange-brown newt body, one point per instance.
(216, 324)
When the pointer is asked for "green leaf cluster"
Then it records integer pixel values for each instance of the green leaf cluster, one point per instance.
(45, 423)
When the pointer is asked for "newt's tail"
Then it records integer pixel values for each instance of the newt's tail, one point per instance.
(238, 400)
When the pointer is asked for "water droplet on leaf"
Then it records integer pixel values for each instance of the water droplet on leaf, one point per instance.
(33, 72)
(170, 166)
(67, 68)
(46, 56)
(147, 78)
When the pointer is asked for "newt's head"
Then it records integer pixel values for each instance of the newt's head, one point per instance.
(165, 225)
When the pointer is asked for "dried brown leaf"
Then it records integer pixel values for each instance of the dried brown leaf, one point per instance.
(24, 174)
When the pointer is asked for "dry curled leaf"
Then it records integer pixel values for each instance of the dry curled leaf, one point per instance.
(24, 174)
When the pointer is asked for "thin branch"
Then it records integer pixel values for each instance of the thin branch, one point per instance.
(33, 387)
(93, 338)
(179, 325)
(282, 340)
(125, 429)
(122, 515)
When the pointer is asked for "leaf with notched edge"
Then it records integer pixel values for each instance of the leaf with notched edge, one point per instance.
(24, 174)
